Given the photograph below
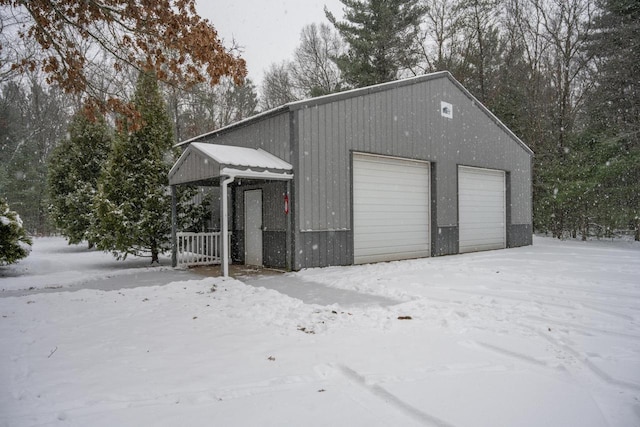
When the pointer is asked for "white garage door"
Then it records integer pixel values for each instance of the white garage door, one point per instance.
(390, 209)
(481, 209)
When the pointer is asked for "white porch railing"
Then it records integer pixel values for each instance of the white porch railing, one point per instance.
(198, 248)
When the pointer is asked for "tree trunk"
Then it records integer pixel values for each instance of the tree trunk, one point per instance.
(154, 252)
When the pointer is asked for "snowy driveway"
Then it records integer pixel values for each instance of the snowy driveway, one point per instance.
(544, 335)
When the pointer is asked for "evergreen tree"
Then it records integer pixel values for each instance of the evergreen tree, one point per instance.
(613, 112)
(133, 204)
(74, 169)
(615, 102)
(382, 38)
(14, 242)
(32, 120)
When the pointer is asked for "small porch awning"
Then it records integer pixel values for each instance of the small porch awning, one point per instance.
(202, 162)
(211, 164)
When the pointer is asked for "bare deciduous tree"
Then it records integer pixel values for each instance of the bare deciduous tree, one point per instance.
(313, 69)
(164, 36)
(277, 87)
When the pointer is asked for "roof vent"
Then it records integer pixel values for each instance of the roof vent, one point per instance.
(446, 110)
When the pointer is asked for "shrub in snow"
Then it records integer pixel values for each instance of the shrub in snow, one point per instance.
(14, 242)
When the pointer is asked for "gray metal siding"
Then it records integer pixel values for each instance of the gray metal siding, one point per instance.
(447, 241)
(520, 235)
(270, 133)
(193, 168)
(274, 249)
(404, 122)
(324, 248)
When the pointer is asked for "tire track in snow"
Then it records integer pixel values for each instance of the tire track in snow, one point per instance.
(541, 300)
(391, 399)
(586, 301)
(512, 298)
(608, 312)
(583, 290)
(505, 352)
(550, 320)
(585, 362)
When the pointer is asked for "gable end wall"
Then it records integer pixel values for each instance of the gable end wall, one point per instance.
(404, 121)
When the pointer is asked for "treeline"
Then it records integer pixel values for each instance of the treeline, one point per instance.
(108, 185)
(564, 75)
(36, 118)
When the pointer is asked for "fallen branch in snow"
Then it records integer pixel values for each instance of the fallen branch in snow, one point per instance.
(52, 351)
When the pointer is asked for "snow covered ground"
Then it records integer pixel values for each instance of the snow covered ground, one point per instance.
(547, 335)
(55, 264)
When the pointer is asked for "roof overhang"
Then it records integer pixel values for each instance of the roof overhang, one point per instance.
(204, 162)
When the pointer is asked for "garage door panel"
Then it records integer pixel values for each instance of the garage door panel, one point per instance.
(382, 227)
(409, 211)
(388, 199)
(392, 255)
(480, 246)
(391, 209)
(482, 195)
(399, 238)
(482, 209)
(482, 237)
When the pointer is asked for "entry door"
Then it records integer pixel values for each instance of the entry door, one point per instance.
(253, 227)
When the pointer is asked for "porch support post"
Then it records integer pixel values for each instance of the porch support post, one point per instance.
(174, 226)
(224, 224)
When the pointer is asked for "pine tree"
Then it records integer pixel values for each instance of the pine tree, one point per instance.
(613, 110)
(14, 242)
(382, 39)
(74, 169)
(133, 205)
(32, 120)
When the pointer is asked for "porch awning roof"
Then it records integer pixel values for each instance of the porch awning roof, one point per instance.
(202, 161)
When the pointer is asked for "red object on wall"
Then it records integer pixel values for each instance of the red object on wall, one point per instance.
(286, 204)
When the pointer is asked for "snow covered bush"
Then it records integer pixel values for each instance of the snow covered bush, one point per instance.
(14, 242)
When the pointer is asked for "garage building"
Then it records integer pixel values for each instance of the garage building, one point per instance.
(407, 169)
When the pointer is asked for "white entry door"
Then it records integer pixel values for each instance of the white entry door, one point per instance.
(253, 227)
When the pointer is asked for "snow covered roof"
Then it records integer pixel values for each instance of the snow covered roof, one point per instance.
(202, 161)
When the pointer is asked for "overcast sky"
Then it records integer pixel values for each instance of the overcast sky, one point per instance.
(268, 31)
